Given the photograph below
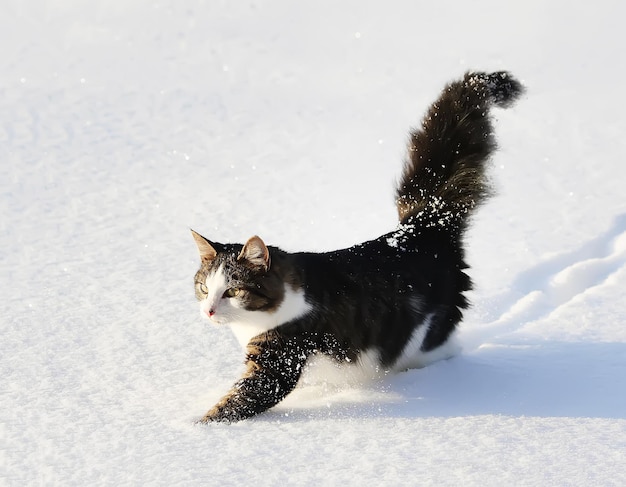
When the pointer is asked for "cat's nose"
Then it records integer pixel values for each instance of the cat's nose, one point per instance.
(210, 312)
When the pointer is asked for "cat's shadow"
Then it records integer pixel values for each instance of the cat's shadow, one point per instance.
(551, 379)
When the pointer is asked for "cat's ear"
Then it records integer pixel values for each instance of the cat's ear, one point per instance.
(256, 253)
(205, 248)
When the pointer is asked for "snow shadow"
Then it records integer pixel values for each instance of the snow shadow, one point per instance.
(553, 379)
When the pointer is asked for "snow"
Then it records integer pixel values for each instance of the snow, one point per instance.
(123, 124)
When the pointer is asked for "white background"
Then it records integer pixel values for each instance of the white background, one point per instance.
(123, 124)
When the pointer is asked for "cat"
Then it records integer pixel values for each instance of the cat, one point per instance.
(394, 301)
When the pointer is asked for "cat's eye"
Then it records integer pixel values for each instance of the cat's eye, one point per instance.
(203, 288)
(232, 292)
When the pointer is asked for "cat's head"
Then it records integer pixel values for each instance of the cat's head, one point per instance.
(236, 283)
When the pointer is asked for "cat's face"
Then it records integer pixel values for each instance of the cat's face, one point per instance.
(235, 283)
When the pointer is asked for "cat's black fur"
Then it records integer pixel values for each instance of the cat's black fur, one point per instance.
(373, 296)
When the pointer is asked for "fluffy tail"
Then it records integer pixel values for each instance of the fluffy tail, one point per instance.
(444, 174)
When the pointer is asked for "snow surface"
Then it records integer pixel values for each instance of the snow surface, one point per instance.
(123, 124)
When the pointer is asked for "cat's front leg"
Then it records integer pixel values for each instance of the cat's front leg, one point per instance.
(273, 366)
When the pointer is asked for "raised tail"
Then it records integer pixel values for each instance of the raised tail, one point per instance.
(444, 174)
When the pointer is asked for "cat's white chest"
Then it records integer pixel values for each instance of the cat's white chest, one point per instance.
(252, 323)
(244, 331)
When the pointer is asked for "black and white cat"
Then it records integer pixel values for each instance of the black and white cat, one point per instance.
(393, 302)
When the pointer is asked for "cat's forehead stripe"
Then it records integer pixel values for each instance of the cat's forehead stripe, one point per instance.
(216, 280)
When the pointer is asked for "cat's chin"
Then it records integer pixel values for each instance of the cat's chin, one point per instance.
(218, 321)
(214, 320)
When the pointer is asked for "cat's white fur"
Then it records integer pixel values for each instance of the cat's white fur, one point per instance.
(216, 285)
(247, 324)
(413, 357)
(322, 370)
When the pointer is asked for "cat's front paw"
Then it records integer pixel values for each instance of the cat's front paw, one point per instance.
(203, 420)
(221, 415)
(212, 418)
